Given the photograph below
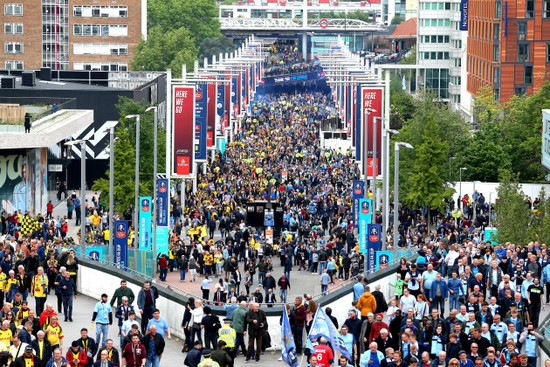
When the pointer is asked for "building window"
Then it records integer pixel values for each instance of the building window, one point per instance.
(546, 9)
(496, 32)
(496, 75)
(495, 52)
(447, 6)
(519, 90)
(530, 9)
(523, 52)
(14, 65)
(100, 49)
(13, 47)
(548, 53)
(498, 9)
(522, 31)
(13, 9)
(103, 11)
(528, 74)
(101, 66)
(13, 28)
(104, 30)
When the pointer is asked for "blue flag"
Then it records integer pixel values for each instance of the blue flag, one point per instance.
(323, 326)
(288, 348)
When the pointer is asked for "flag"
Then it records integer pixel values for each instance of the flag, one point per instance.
(288, 348)
(323, 326)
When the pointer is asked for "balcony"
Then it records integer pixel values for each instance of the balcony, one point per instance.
(456, 53)
(454, 71)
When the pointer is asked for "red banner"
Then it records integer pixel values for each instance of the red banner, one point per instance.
(183, 130)
(372, 98)
(211, 115)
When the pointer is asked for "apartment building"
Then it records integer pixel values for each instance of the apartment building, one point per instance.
(508, 46)
(71, 34)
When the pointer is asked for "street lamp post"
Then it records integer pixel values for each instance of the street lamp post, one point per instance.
(110, 126)
(82, 143)
(396, 195)
(364, 154)
(136, 193)
(386, 184)
(374, 166)
(460, 187)
(155, 111)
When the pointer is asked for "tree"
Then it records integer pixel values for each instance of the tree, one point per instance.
(215, 46)
(511, 212)
(428, 184)
(164, 50)
(410, 59)
(125, 155)
(199, 17)
(397, 20)
(539, 229)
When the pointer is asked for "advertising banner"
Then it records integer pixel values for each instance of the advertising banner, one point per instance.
(94, 253)
(120, 243)
(234, 99)
(365, 217)
(163, 204)
(211, 115)
(220, 110)
(383, 259)
(183, 128)
(145, 223)
(463, 15)
(227, 104)
(374, 244)
(201, 100)
(371, 98)
(357, 193)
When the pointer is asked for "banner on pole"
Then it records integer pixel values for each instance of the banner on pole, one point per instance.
(371, 98)
(211, 115)
(374, 244)
(201, 100)
(183, 128)
(120, 243)
(145, 223)
(357, 192)
(383, 259)
(365, 217)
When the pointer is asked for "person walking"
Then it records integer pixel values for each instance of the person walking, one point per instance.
(147, 298)
(154, 346)
(134, 354)
(121, 292)
(102, 317)
(67, 289)
(239, 324)
(257, 324)
(39, 289)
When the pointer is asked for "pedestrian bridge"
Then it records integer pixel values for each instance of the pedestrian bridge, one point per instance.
(295, 24)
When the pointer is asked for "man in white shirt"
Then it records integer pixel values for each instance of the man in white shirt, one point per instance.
(407, 301)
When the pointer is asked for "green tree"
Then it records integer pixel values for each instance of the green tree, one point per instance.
(397, 20)
(540, 220)
(511, 213)
(410, 59)
(125, 155)
(215, 46)
(164, 50)
(199, 17)
(428, 183)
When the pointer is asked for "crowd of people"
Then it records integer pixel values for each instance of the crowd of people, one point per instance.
(286, 59)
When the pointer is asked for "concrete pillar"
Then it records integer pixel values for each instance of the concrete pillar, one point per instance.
(304, 46)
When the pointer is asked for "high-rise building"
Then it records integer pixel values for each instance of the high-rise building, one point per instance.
(71, 34)
(508, 46)
(440, 49)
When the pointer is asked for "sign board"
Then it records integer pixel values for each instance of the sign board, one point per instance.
(269, 235)
(357, 193)
(201, 99)
(183, 128)
(374, 244)
(546, 139)
(383, 259)
(145, 223)
(120, 243)
(491, 235)
(464, 15)
(371, 98)
(365, 217)
(269, 218)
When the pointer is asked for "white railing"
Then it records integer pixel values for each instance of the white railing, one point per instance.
(297, 24)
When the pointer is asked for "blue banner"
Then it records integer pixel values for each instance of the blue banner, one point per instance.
(145, 223)
(94, 253)
(163, 204)
(283, 79)
(120, 243)
(374, 244)
(201, 121)
(463, 15)
(220, 144)
(288, 347)
(357, 192)
(234, 97)
(220, 110)
(323, 326)
(162, 240)
(383, 259)
(365, 217)
(357, 124)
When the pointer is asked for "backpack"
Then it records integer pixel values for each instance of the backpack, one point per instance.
(214, 323)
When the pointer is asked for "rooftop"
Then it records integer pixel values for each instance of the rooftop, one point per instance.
(406, 29)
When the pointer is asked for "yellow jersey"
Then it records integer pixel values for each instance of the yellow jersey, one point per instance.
(54, 334)
(39, 285)
(6, 336)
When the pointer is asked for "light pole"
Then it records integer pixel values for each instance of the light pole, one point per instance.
(460, 187)
(374, 165)
(155, 112)
(110, 126)
(136, 193)
(396, 195)
(82, 143)
(386, 183)
(364, 154)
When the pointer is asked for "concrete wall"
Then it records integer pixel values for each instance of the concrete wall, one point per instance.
(95, 279)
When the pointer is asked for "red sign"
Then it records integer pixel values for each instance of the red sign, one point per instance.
(323, 23)
(372, 98)
(183, 129)
(211, 113)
